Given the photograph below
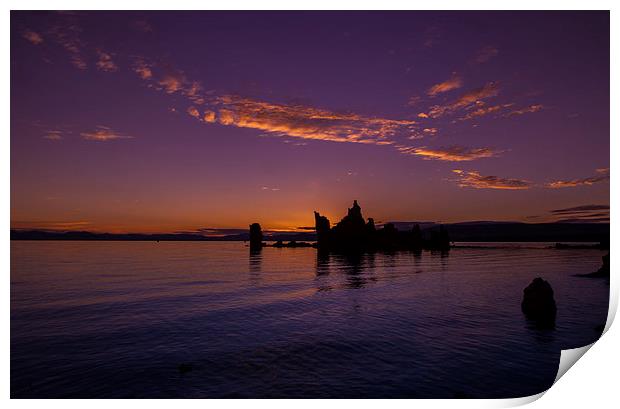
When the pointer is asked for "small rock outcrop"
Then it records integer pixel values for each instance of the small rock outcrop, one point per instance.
(538, 303)
(256, 237)
(604, 270)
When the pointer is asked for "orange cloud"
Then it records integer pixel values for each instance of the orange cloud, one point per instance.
(102, 134)
(453, 83)
(308, 122)
(422, 115)
(105, 62)
(33, 37)
(171, 83)
(602, 176)
(209, 116)
(475, 180)
(227, 117)
(467, 100)
(143, 69)
(450, 153)
(193, 112)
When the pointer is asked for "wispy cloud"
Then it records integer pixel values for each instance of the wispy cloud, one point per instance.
(53, 135)
(526, 110)
(473, 179)
(604, 219)
(485, 54)
(467, 100)
(172, 81)
(32, 36)
(485, 110)
(105, 62)
(601, 176)
(592, 213)
(143, 26)
(450, 153)
(432, 35)
(102, 134)
(414, 100)
(68, 36)
(288, 120)
(581, 209)
(453, 83)
(50, 225)
(306, 122)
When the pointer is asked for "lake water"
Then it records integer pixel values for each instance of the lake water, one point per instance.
(117, 319)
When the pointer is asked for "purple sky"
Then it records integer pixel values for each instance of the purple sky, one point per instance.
(177, 121)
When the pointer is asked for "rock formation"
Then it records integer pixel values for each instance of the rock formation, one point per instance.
(538, 303)
(353, 234)
(256, 237)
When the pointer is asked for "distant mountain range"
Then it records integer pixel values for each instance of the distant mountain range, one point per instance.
(465, 231)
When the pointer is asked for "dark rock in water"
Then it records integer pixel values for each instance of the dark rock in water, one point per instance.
(602, 272)
(538, 303)
(184, 368)
(256, 236)
(294, 243)
(291, 243)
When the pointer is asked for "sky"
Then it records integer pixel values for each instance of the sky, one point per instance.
(208, 121)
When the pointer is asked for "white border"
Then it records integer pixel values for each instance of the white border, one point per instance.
(592, 383)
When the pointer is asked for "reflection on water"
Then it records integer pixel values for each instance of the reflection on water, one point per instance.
(255, 265)
(119, 319)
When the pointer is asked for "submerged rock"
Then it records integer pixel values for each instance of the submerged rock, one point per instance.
(602, 272)
(538, 303)
(291, 243)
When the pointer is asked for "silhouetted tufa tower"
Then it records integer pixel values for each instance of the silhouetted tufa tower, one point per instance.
(256, 237)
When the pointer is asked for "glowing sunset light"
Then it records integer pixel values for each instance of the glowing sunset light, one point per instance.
(216, 130)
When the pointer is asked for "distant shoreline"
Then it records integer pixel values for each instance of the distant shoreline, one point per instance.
(471, 244)
(477, 232)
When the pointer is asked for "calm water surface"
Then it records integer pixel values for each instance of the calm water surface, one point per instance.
(116, 319)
